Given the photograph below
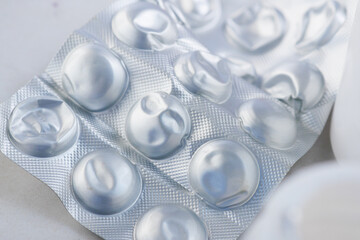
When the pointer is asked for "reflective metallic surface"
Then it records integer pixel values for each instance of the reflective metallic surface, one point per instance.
(268, 123)
(299, 84)
(255, 28)
(200, 14)
(104, 182)
(145, 26)
(224, 173)
(158, 125)
(94, 77)
(43, 127)
(205, 74)
(320, 24)
(170, 222)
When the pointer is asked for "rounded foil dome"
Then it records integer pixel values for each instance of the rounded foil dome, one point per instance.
(144, 25)
(201, 14)
(299, 84)
(158, 125)
(205, 74)
(224, 173)
(105, 183)
(268, 123)
(43, 127)
(170, 222)
(256, 28)
(94, 77)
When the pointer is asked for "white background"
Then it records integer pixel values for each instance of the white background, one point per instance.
(31, 32)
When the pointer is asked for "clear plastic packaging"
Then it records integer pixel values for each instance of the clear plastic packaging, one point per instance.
(170, 222)
(94, 77)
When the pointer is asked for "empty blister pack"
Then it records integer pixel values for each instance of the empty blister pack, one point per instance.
(101, 180)
(145, 134)
(289, 48)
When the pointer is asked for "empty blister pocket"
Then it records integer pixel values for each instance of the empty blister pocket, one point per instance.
(205, 74)
(268, 122)
(224, 173)
(43, 127)
(105, 183)
(299, 84)
(158, 125)
(256, 28)
(145, 26)
(94, 77)
(320, 24)
(200, 14)
(170, 222)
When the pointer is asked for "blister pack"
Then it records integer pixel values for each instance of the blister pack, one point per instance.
(144, 133)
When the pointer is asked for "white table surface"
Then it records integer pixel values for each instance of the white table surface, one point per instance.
(31, 32)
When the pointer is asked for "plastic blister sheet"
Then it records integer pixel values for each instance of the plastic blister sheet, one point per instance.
(167, 125)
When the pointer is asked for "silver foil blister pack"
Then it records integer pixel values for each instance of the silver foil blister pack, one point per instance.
(145, 133)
